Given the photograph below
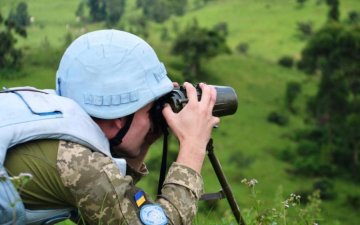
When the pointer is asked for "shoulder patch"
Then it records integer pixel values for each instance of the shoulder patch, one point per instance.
(140, 198)
(153, 214)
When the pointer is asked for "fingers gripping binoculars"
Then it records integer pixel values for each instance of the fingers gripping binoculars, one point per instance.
(226, 102)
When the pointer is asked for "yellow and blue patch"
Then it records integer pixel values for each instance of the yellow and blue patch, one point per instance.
(140, 198)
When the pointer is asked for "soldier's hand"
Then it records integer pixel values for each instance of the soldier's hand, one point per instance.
(193, 125)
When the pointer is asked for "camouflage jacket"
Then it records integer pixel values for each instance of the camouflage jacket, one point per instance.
(91, 182)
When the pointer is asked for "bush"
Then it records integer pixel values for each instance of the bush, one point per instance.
(353, 17)
(301, 2)
(353, 201)
(242, 48)
(279, 213)
(292, 91)
(305, 28)
(313, 166)
(326, 188)
(222, 27)
(277, 118)
(286, 61)
(287, 155)
(307, 148)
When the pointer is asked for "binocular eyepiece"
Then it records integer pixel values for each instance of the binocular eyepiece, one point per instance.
(226, 102)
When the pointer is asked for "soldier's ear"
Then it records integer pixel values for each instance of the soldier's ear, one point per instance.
(110, 127)
(119, 123)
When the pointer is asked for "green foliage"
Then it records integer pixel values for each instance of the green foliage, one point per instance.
(161, 10)
(115, 10)
(312, 157)
(277, 118)
(326, 189)
(80, 11)
(222, 28)
(293, 89)
(286, 211)
(334, 12)
(196, 43)
(305, 29)
(10, 57)
(97, 10)
(334, 51)
(242, 47)
(286, 61)
(104, 10)
(164, 34)
(301, 2)
(354, 17)
(19, 19)
(139, 25)
(353, 201)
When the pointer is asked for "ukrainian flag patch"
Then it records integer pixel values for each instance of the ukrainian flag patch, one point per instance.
(140, 198)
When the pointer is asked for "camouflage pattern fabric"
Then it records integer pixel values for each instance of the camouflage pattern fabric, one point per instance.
(104, 196)
(46, 189)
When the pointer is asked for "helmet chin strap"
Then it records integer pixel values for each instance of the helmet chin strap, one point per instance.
(122, 132)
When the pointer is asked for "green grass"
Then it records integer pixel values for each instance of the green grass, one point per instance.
(245, 143)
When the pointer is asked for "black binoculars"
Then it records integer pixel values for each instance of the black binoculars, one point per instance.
(226, 102)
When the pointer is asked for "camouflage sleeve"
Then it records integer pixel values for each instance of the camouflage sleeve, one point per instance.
(137, 174)
(104, 196)
(180, 193)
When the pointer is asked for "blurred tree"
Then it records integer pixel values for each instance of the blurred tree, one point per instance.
(305, 28)
(197, 4)
(301, 3)
(222, 28)
(161, 10)
(286, 61)
(80, 11)
(97, 10)
(243, 47)
(139, 26)
(353, 17)
(19, 19)
(334, 12)
(164, 36)
(277, 118)
(334, 52)
(293, 89)
(109, 11)
(353, 130)
(10, 57)
(114, 11)
(175, 27)
(196, 43)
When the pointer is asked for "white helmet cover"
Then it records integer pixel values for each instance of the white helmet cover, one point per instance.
(111, 74)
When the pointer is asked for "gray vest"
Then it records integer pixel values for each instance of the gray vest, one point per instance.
(28, 114)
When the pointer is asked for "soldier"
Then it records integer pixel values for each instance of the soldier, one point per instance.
(115, 77)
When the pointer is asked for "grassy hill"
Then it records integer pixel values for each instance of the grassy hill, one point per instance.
(246, 144)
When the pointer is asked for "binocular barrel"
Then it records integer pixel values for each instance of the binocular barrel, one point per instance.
(226, 100)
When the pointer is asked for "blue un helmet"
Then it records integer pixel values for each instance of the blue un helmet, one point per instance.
(111, 74)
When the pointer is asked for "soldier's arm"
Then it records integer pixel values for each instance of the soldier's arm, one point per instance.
(104, 196)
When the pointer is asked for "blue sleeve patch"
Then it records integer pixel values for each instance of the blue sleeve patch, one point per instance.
(153, 214)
